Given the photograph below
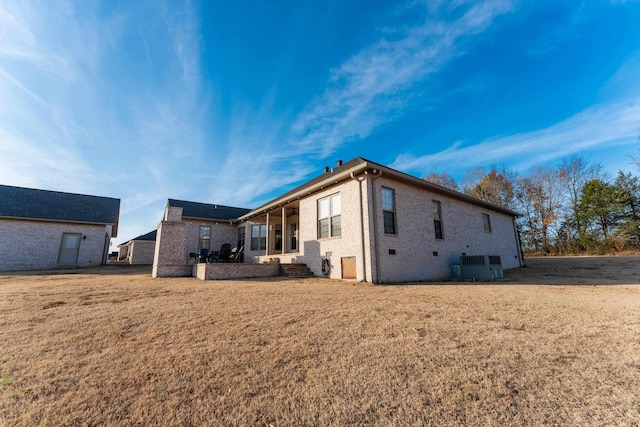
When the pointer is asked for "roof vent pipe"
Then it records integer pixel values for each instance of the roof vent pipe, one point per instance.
(339, 162)
(326, 169)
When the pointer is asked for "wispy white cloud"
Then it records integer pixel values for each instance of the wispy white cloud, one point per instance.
(371, 88)
(374, 86)
(600, 126)
(80, 113)
(608, 124)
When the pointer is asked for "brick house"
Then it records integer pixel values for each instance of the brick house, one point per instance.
(42, 229)
(367, 222)
(139, 250)
(189, 228)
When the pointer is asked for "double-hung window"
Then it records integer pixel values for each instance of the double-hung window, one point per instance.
(329, 218)
(486, 222)
(205, 237)
(389, 210)
(258, 237)
(437, 219)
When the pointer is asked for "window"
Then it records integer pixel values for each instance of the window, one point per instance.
(241, 237)
(258, 237)
(389, 210)
(329, 219)
(486, 221)
(205, 237)
(437, 219)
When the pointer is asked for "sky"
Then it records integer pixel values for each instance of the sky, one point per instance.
(234, 103)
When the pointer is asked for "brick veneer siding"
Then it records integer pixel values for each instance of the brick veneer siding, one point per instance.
(142, 252)
(348, 244)
(34, 245)
(171, 258)
(177, 238)
(221, 271)
(415, 242)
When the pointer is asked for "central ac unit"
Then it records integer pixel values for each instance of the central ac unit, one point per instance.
(481, 267)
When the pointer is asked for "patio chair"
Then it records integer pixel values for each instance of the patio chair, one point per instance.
(223, 254)
(204, 254)
(235, 254)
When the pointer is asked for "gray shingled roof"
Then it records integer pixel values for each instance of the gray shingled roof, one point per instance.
(329, 175)
(29, 203)
(208, 211)
(149, 237)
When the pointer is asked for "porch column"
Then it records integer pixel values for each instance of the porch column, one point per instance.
(266, 250)
(283, 232)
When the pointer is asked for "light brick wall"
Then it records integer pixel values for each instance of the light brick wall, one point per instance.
(171, 258)
(223, 271)
(415, 241)
(34, 245)
(177, 238)
(142, 252)
(333, 248)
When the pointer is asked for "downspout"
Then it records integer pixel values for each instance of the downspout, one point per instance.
(516, 232)
(376, 248)
(362, 253)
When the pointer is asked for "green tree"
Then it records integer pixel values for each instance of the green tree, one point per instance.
(627, 193)
(598, 206)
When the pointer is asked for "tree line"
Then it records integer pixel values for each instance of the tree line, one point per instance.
(571, 208)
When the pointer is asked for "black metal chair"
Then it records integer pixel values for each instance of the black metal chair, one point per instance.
(235, 254)
(204, 254)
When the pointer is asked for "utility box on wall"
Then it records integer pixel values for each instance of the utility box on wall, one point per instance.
(481, 267)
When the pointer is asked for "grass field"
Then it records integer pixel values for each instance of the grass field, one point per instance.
(556, 343)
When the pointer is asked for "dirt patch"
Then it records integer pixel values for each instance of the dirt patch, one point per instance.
(126, 349)
(583, 270)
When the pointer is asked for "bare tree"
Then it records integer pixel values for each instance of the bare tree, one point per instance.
(542, 191)
(574, 172)
(495, 186)
(443, 179)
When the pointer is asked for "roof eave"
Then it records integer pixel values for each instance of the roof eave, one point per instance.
(361, 167)
(282, 200)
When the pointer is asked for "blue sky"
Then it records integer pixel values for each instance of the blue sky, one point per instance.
(236, 102)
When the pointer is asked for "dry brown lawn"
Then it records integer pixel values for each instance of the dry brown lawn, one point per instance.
(556, 343)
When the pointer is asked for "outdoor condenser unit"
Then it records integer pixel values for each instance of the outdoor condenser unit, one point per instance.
(481, 267)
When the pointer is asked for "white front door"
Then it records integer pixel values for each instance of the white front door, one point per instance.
(69, 248)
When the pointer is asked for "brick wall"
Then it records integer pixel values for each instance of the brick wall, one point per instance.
(34, 245)
(142, 252)
(177, 238)
(418, 254)
(332, 248)
(221, 271)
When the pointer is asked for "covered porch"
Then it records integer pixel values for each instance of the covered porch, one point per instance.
(273, 235)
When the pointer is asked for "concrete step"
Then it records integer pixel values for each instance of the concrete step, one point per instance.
(295, 270)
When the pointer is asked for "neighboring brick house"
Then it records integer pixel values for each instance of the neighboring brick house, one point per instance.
(42, 229)
(140, 250)
(367, 222)
(189, 228)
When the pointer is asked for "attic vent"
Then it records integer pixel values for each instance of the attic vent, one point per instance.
(339, 162)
